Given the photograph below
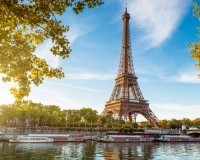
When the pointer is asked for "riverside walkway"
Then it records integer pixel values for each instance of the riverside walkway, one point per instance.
(63, 130)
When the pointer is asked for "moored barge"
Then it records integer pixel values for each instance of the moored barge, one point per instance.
(126, 138)
(178, 138)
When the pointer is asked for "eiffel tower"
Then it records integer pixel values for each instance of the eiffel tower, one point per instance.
(127, 101)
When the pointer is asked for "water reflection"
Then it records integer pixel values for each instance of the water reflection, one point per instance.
(177, 151)
(118, 151)
(99, 151)
(22, 151)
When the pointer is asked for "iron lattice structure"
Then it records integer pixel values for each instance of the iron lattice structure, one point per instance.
(126, 100)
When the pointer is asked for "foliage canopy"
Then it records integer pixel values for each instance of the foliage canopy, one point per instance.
(195, 46)
(28, 113)
(25, 24)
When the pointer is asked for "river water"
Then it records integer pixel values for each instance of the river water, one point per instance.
(92, 150)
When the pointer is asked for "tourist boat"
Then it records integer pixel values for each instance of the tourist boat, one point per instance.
(28, 139)
(68, 139)
(6, 137)
(96, 137)
(61, 137)
(178, 138)
(127, 138)
(76, 139)
(86, 137)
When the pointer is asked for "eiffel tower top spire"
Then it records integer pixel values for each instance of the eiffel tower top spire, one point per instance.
(126, 63)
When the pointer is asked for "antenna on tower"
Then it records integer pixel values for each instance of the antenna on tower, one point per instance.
(126, 8)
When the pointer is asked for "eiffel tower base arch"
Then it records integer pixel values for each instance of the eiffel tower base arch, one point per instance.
(128, 111)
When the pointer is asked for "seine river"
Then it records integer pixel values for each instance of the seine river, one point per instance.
(92, 150)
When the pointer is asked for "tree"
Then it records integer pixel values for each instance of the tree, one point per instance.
(174, 123)
(195, 46)
(163, 123)
(196, 122)
(23, 26)
(145, 124)
(44, 116)
(187, 122)
(102, 120)
(24, 113)
(135, 125)
(54, 115)
(36, 113)
(8, 114)
(72, 117)
(107, 120)
(88, 115)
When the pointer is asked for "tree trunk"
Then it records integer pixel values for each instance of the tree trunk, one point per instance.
(6, 128)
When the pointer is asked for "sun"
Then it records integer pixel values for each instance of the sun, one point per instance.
(5, 96)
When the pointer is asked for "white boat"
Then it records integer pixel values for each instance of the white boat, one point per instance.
(178, 138)
(96, 137)
(70, 138)
(28, 139)
(127, 138)
(61, 137)
(76, 139)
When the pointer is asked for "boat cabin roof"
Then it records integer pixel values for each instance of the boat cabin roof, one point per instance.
(48, 135)
(124, 135)
(182, 136)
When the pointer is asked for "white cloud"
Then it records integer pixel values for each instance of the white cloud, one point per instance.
(75, 87)
(187, 75)
(177, 111)
(77, 30)
(157, 18)
(91, 76)
(79, 27)
(43, 51)
(67, 103)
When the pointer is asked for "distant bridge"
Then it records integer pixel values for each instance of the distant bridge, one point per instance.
(162, 131)
(192, 131)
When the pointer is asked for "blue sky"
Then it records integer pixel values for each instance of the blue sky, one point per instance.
(166, 72)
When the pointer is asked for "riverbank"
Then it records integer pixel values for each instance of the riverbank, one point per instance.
(65, 130)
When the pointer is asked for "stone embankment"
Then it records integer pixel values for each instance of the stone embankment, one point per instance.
(63, 130)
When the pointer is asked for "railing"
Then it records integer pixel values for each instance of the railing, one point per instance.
(62, 130)
(163, 131)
